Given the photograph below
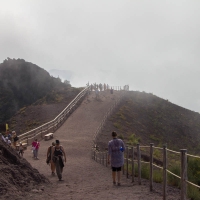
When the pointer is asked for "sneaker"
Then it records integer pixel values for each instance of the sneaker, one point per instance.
(114, 183)
(118, 184)
(53, 173)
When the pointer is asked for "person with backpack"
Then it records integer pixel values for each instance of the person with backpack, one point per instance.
(49, 158)
(116, 157)
(59, 157)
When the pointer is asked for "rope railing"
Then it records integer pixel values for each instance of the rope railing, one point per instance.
(54, 124)
(130, 161)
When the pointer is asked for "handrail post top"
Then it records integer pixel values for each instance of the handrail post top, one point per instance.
(164, 145)
(183, 150)
(151, 144)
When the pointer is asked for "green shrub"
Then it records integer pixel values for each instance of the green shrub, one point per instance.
(172, 180)
(120, 136)
(117, 125)
(193, 193)
(133, 140)
(157, 176)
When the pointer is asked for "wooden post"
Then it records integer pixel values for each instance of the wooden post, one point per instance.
(164, 172)
(139, 163)
(151, 167)
(133, 170)
(183, 174)
(103, 158)
(127, 156)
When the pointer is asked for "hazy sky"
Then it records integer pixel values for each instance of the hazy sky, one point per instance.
(151, 45)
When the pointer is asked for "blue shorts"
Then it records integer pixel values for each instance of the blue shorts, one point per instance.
(114, 169)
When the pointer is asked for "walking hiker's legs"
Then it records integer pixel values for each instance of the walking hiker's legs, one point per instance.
(114, 176)
(118, 176)
(58, 169)
(36, 153)
(53, 166)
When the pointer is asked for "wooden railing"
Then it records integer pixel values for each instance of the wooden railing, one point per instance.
(131, 151)
(54, 124)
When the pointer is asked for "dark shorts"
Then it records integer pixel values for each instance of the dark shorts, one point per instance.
(114, 169)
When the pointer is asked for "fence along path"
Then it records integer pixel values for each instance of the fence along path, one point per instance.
(83, 177)
(130, 161)
(54, 124)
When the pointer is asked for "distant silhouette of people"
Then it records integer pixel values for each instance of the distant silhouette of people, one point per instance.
(116, 157)
(104, 86)
(100, 87)
(97, 93)
(111, 91)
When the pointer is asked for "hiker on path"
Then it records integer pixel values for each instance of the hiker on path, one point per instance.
(116, 157)
(15, 138)
(59, 157)
(35, 148)
(49, 158)
(21, 150)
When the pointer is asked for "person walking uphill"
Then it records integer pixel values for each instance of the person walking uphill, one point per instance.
(58, 153)
(116, 156)
(49, 158)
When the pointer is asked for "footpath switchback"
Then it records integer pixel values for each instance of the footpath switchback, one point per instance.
(83, 177)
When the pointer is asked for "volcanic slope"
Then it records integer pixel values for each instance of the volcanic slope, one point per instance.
(145, 118)
(17, 177)
(83, 177)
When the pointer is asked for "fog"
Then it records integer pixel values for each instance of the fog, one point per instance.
(151, 45)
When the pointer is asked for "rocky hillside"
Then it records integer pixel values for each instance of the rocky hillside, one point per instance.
(145, 118)
(21, 84)
(17, 176)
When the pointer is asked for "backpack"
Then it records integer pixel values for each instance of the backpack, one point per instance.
(16, 138)
(49, 156)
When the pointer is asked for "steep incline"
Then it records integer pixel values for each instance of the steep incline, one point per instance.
(83, 177)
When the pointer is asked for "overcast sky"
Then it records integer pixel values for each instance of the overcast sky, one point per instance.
(151, 45)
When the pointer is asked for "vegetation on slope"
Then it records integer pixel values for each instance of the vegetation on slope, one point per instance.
(146, 118)
(22, 83)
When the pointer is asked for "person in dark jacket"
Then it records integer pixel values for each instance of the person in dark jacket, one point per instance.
(59, 157)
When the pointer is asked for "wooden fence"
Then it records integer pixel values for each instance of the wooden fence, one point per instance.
(54, 124)
(131, 160)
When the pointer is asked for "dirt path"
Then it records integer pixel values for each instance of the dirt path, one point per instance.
(83, 177)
